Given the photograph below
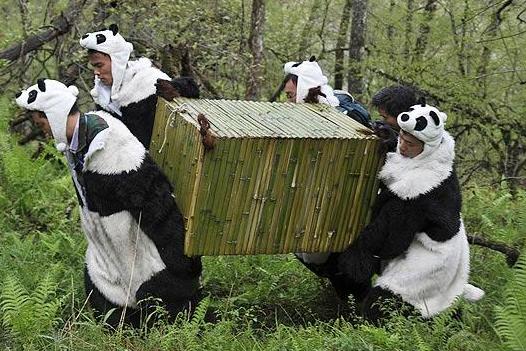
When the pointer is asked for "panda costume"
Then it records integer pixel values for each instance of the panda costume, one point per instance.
(131, 98)
(417, 227)
(134, 229)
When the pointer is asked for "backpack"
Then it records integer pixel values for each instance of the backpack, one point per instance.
(353, 108)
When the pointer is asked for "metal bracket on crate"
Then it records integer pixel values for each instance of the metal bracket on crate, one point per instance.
(170, 121)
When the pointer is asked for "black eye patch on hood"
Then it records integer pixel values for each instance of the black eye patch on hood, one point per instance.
(435, 117)
(32, 96)
(100, 38)
(421, 123)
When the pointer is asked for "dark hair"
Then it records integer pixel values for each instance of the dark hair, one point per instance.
(395, 99)
(292, 77)
(74, 109)
(313, 95)
(93, 51)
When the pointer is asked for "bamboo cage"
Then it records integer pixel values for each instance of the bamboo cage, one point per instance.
(281, 177)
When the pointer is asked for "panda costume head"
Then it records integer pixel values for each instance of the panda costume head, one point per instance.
(55, 100)
(426, 123)
(110, 42)
(310, 75)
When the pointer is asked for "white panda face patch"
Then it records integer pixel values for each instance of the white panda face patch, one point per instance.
(425, 122)
(28, 98)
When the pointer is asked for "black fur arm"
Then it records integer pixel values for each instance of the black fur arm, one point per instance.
(139, 117)
(387, 236)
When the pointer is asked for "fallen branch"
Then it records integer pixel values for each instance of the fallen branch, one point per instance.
(512, 254)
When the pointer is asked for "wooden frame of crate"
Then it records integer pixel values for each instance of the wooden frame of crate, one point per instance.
(281, 177)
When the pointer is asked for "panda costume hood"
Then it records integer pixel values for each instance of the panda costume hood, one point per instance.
(410, 177)
(310, 75)
(113, 44)
(55, 100)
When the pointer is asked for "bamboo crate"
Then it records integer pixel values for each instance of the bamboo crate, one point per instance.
(281, 178)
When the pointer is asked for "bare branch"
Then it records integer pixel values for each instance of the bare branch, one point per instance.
(60, 25)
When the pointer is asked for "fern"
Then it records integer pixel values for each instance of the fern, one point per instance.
(13, 299)
(200, 313)
(420, 343)
(511, 318)
(28, 315)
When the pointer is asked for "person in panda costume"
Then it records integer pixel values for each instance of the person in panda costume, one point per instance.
(305, 82)
(416, 229)
(135, 232)
(128, 89)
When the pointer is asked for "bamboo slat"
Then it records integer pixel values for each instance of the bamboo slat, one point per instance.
(281, 178)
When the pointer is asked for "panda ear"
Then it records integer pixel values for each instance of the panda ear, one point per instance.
(312, 58)
(41, 84)
(114, 29)
(422, 101)
(435, 117)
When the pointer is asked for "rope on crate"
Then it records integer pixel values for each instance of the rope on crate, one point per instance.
(170, 121)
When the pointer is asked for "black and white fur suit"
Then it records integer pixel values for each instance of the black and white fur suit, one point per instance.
(135, 231)
(416, 231)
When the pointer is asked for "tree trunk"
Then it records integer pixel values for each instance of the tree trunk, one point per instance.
(390, 31)
(308, 33)
(340, 42)
(408, 28)
(357, 46)
(459, 38)
(486, 51)
(425, 28)
(255, 74)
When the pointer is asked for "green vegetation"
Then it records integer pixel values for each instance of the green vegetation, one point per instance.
(467, 56)
(258, 302)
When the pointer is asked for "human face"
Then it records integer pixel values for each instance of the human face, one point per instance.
(101, 65)
(409, 145)
(41, 121)
(391, 120)
(290, 90)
